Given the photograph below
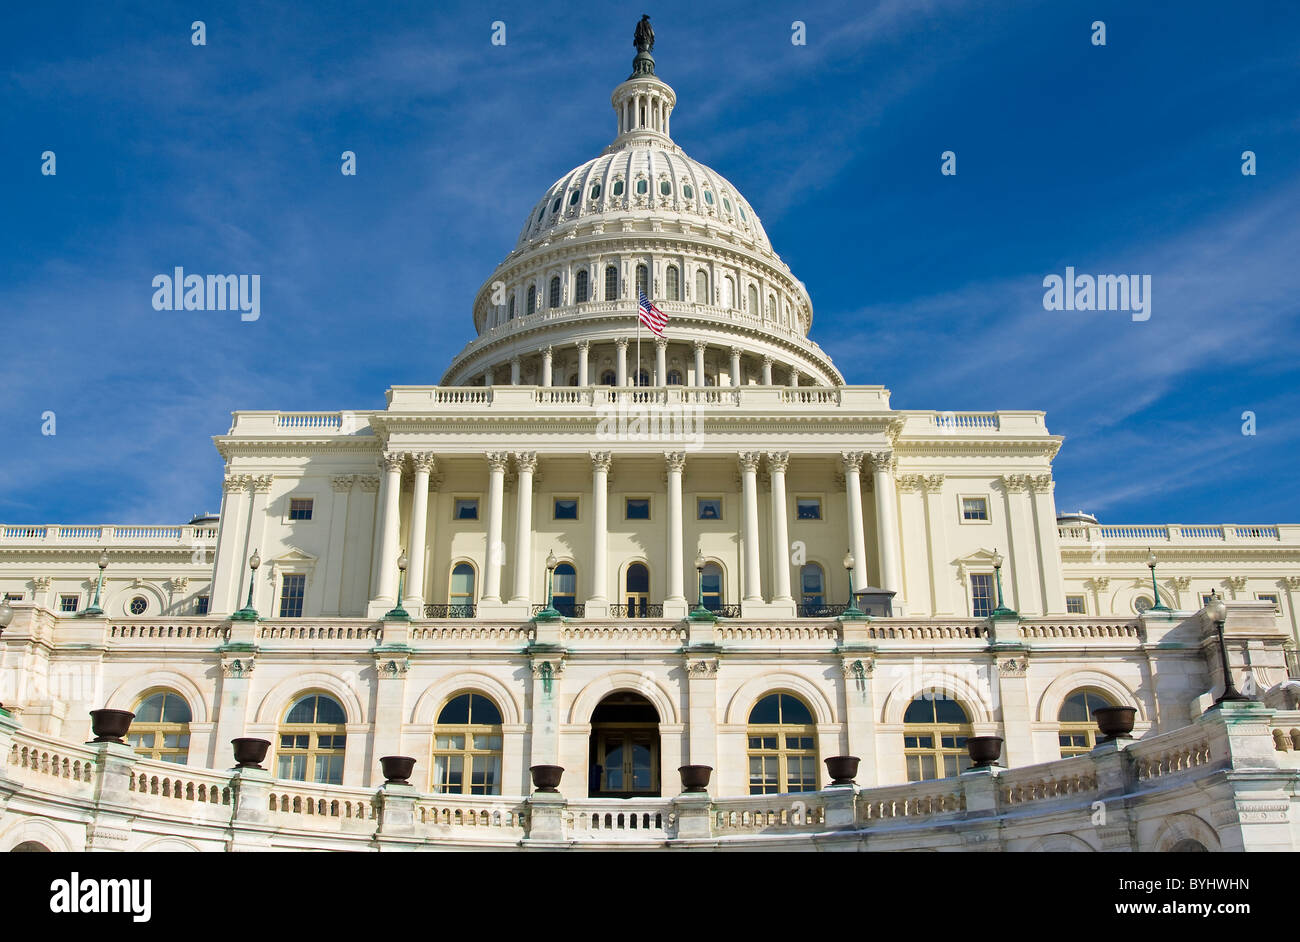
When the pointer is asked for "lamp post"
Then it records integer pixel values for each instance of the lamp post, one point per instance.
(1158, 606)
(99, 585)
(6, 616)
(1218, 613)
(852, 611)
(397, 612)
(549, 613)
(1001, 611)
(248, 613)
(700, 613)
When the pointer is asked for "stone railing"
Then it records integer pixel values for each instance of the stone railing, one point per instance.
(1179, 533)
(174, 629)
(1192, 770)
(186, 536)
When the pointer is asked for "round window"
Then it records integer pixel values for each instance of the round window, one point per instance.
(688, 191)
(139, 605)
(1142, 604)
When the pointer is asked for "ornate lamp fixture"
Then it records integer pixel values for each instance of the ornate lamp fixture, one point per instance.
(397, 612)
(248, 613)
(1218, 613)
(1157, 605)
(549, 613)
(700, 613)
(852, 611)
(1001, 611)
(99, 585)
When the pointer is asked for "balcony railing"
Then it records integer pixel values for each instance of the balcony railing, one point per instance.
(1179, 532)
(444, 610)
(106, 534)
(639, 610)
(820, 610)
(566, 607)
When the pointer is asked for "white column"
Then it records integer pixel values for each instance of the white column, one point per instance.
(675, 603)
(767, 371)
(514, 371)
(1048, 544)
(230, 547)
(794, 377)
(753, 587)
(882, 466)
(661, 361)
(423, 462)
(598, 601)
(526, 464)
(342, 485)
(699, 363)
(487, 376)
(620, 364)
(776, 466)
(584, 375)
(1022, 550)
(735, 366)
(495, 548)
(940, 573)
(390, 495)
(546, 366)
(261, 488)
(857, 533)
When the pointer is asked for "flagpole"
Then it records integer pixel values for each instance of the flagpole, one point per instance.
(636, 372)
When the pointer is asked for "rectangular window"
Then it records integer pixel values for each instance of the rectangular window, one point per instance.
(981, 594)
(1268, 597)
(708, 508)
(638, 508)
(291, 592)
(466, 508)
(13, 596)
(300, 508)
(974, 508)
(808, 508)
(201, 604)
(68, 603)
(1074, 605)
(566, 508)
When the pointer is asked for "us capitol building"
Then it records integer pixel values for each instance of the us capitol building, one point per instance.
(621, 556)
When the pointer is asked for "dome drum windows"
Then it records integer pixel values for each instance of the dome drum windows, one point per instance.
(643, 280)
(532, 300)
(595, 191)
(618, 188)
(665, 187)
(688, 191)
(580, 287)
(672, 283)
(554, 294)
(611, 283)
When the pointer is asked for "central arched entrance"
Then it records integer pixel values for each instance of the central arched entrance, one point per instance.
(623, 760)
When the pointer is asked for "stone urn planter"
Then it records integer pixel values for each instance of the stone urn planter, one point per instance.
(110, 725)
(984, 750)
(397, 769)
(249, 752)
(695, 778)
(843, 769)
(546, 778)
(1115, 722)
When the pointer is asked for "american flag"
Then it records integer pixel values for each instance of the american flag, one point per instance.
(650, 315)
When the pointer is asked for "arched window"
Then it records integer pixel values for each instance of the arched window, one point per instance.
(580, 289)
(753, 300)
(674, 377)
(511, 315)
(460, 598)
(711, 586)
(812, 586)
(467, 747)
(611, 283)
(564, 589)
(702, 287)
(643, 280)
(161, 728)
(1078, 729)
(935, 731)
(555, 291)
(672, 284)
(782, 752)
(771, 308)
(312, 741)
(532, 300)
(728, 292)
(637, 582)
(607, 378)
(642, 378)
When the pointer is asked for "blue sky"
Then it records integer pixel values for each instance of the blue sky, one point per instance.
(225, 158)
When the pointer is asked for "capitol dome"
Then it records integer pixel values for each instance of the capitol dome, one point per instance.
(561, 308)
